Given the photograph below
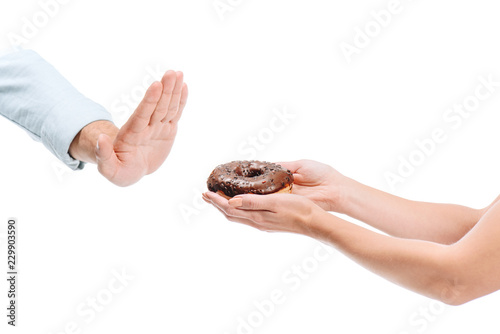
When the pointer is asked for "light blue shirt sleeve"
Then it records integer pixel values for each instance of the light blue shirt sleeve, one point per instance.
(35, 96)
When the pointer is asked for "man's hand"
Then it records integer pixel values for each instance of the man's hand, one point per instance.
(139, 148)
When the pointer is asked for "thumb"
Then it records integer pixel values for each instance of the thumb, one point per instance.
(299, 179)
(253, 202)
(293, 166)
(107, 162)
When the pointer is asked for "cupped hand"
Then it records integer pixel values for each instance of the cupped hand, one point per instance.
(270, 213)
(318, 182)
(144, 142)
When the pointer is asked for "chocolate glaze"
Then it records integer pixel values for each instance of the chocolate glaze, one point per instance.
(249, 177)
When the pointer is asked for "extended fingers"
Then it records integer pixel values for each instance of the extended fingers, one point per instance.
(254, 202)
(168, 81)
(221, 203)
(174, 105)
(142, 115)
(169, 101)
(228, 217)
(232, 214)
(231, 210)
(162, 102)
(182, 103)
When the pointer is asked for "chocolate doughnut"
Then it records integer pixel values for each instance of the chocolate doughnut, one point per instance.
(249, 177)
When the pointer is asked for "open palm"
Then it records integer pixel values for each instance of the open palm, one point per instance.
(145, 141)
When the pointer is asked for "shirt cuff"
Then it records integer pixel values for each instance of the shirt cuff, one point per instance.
(35, 96)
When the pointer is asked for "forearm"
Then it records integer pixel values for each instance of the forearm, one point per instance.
(84, 144)
(421, 266)
(441, 223)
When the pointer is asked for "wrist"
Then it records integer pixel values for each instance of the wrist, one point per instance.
(318, 225)
(351, 197)
(340, 192)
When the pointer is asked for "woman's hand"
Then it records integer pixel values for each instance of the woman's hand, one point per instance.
(318, 182)
(270, 213)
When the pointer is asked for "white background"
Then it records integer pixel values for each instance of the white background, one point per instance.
(193, 271)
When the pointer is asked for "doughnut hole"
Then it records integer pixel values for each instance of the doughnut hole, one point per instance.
(249, 172)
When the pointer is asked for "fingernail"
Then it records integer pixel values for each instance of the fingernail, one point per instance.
(236, 202)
